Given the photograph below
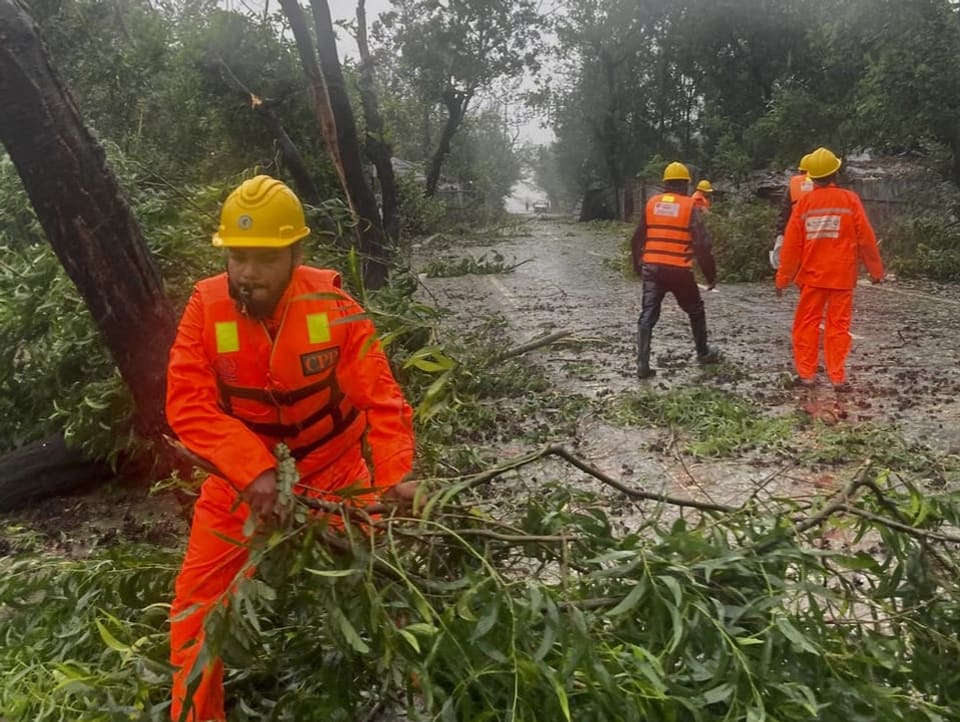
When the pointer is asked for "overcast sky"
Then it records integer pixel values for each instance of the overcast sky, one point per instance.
(347, 10)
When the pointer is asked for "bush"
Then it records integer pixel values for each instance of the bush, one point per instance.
(925, 242)
(419, 215)
(743, 231)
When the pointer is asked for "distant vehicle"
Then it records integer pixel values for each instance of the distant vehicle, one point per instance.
(541, 206)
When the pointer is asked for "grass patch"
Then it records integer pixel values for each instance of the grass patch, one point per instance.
(714, 423)
(840, 445)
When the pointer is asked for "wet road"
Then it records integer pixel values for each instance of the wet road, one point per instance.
(903, 365)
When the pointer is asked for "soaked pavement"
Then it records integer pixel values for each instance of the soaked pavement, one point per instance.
(903, 366)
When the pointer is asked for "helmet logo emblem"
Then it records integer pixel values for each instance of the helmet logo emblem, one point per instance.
(244, 222)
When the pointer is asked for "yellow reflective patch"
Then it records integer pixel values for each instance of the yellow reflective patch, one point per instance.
(318, 327)
(668, 197)
(228, 340)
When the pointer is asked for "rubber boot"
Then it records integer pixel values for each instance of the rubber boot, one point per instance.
(644, 336)
(706, 355)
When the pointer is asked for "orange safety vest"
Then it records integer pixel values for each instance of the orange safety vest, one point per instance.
(800, 185)
(317, 385)
(669, 241)
(294, 397)
(701, 200)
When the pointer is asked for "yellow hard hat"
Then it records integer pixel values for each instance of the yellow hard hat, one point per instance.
(676, 171)
(822, 163)
(704, 186)
(260, 213)
(804, 162)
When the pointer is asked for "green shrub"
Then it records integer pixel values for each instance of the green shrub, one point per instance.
(743, 231)
(419, 215)
(925, 242)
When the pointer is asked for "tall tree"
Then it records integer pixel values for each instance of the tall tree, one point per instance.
(619, 91)
(908, 94)
(339, 131)
(92, 231)
(264, 108)
(454, 50)
(84, 214)
(378, 148)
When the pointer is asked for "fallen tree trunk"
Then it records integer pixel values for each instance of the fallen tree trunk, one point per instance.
(47, 468)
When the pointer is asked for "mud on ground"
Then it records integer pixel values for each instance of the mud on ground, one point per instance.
(903, 366)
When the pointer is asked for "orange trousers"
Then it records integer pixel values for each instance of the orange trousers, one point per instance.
(210, 567)
(836, 338)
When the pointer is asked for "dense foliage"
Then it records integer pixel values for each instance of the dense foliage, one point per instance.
(743, 84)
(529, 601)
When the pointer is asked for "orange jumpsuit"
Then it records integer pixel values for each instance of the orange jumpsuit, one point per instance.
(311, 376)
(701, 200)
(826, 239)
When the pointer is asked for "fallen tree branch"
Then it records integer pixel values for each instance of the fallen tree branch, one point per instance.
(534, 344)
(900, 526)
(563, 453)
(838, 503)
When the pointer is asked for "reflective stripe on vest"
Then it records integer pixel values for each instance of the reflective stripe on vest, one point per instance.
(669, 241)
(285, 388)
(823, 222)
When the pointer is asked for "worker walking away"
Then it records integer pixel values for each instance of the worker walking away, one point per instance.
(703, 196)
(670, 235)
(800, 185)
(827, 237)
(270, 351)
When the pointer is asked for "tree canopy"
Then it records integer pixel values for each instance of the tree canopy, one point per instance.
(737, 85)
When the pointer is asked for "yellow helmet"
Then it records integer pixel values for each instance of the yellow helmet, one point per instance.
(822, 163)
(260, 213)
(675, 172)
(804, 163)
(704, 186)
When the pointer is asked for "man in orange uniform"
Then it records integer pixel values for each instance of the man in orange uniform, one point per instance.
(703, 196)
(270, 351)
(827, 237)
(800, 185)
(664, 245)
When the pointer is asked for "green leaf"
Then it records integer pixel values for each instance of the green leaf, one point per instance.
(720, 693)
(558, 690)
(421, 628)
(796, 638)
(111, 641)
(411, 640)
(487, 621)
(630, 601)
(333, 573)
(348, 632)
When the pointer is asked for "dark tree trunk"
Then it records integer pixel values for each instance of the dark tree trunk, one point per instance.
(84, 214)
(373, 244)
(378, 150)
(610, 137)
(340, 134)
(456, 102)
(46, 468)
(306, 188)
